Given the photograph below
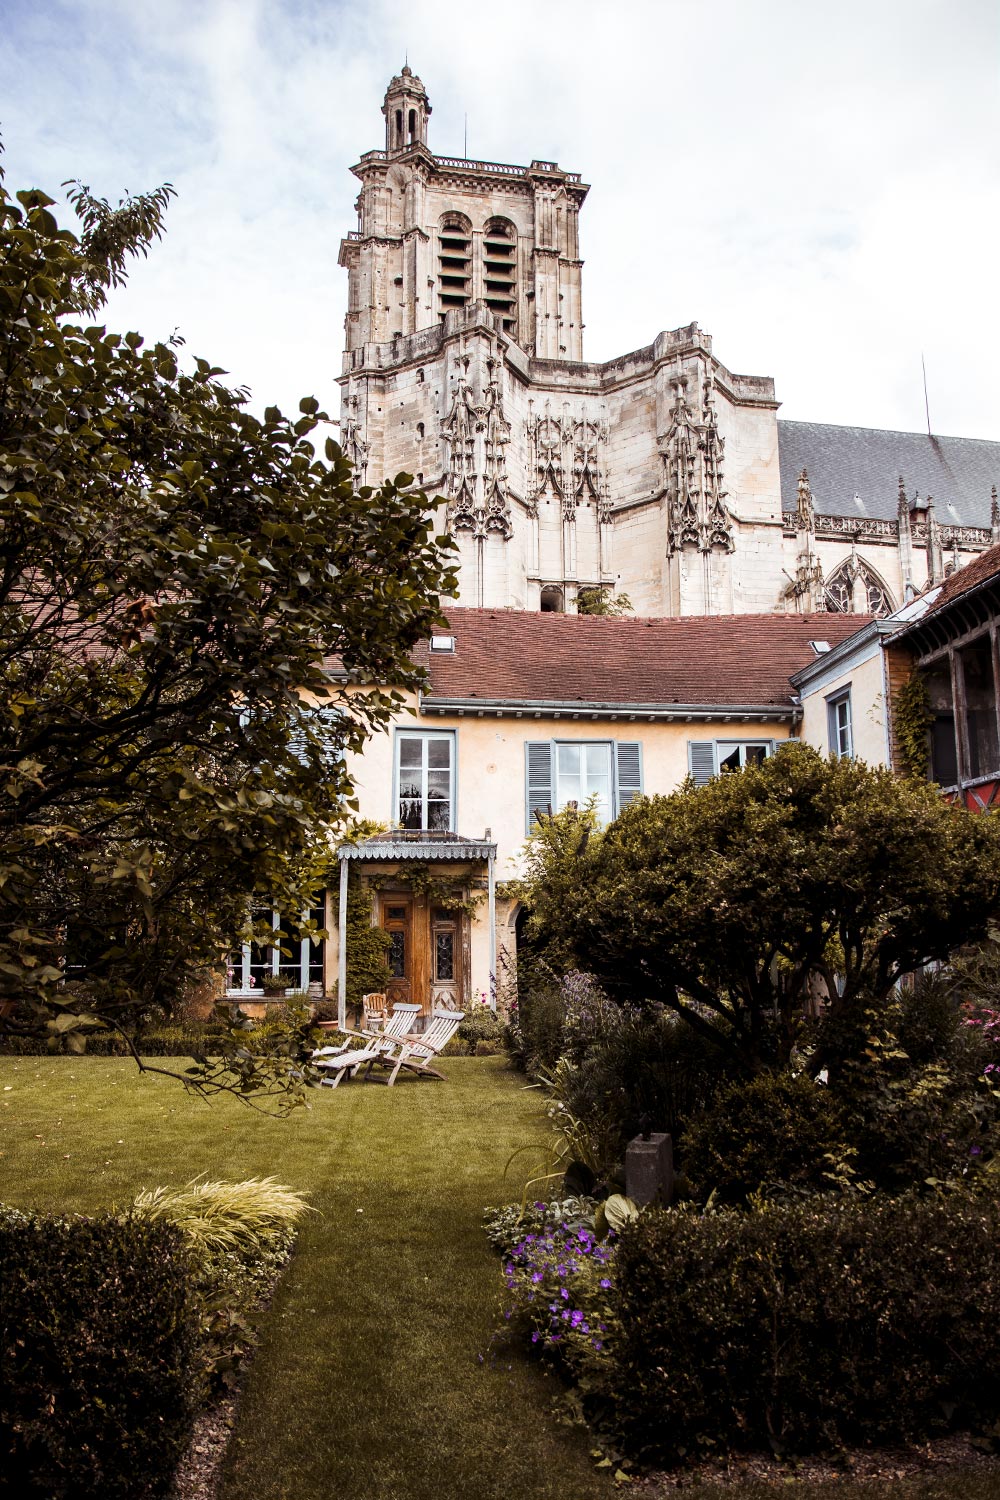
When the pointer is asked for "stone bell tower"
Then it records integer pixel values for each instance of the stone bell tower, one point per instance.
(437, 234)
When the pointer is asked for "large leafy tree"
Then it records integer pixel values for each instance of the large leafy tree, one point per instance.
(176, 579)
(742, 903)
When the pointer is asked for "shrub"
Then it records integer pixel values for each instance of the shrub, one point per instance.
(480, 1025)
(772, 1133)
(534, 1032)
(638, 1068)
(806, 1325)
(96, 1348)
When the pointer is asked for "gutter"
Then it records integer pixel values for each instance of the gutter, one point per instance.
(628, 713)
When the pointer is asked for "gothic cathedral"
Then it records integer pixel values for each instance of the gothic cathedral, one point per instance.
(660, 475)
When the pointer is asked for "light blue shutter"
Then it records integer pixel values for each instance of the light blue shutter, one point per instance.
(628, 772)
(701, 761)
(538, 780)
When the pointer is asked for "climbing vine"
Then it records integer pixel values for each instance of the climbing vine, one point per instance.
(438, 889)
(912, 717)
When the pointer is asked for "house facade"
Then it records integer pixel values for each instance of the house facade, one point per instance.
(660, 474)
(937, 661)
(523, 714)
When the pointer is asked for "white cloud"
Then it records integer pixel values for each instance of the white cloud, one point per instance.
(816, 186)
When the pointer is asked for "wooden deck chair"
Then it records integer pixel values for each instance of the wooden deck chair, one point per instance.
(337, 1060)
(415, 1052)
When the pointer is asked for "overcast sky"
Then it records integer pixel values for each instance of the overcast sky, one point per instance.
(817, 185)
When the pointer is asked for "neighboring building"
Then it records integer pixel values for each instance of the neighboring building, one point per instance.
(660, 474)
(525, 713)
(949, 638)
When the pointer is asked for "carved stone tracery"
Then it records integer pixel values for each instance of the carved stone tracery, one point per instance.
(697, 514)
(477, 435)
(567, 459)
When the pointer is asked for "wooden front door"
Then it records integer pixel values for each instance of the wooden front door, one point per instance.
(427, 955)
(397, 919)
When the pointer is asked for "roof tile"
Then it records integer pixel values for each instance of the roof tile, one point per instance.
(514, 656)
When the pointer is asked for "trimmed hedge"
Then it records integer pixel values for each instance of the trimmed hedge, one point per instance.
(807, 1326)
(166, 1041)
(97, 1340)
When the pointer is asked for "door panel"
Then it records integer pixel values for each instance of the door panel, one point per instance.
(397, 919)
(446, 960)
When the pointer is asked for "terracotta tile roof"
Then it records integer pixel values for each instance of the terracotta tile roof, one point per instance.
(979, 570)
(513, 656)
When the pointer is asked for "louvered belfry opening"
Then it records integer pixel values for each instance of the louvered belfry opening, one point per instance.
(500, 272)
(454, 263)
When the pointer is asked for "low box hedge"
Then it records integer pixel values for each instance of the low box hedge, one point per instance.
(97, 1339)
(807, 1326)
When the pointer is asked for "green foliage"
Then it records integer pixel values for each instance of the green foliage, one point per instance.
(175, 572)
(367, 946)
(508, 1226)
(736, 903)
(594, 601)
(806, 1326)
(97, 1350)
(560, 1302)
(480, 1024)
(912, 718)
(777, 1133)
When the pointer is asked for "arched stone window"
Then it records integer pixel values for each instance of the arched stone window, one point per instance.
(454, 262)
(500, 271)
(552, 601)
(871, 597)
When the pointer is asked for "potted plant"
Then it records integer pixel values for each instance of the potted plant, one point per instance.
(275, 985)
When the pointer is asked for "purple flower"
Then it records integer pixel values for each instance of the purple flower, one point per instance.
(535, 1337)
(576, 1318)
(536, 1275)
(975, 1151)
(604, 1282)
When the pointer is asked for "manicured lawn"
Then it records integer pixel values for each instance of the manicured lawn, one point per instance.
(368, 1384)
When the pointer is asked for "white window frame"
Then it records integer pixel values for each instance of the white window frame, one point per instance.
(583, 746)
(840, 731)
(239, 973)
(718, 751)
(425, 736)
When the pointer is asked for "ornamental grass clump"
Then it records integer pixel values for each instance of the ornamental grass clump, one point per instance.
(226, 1215)
(239, 1236)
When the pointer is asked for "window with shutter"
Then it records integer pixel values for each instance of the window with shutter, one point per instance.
(538, 781)
(628, 764)
(708, 758)
(701, 761)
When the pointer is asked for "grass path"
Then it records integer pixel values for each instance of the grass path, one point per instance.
(368, 1384)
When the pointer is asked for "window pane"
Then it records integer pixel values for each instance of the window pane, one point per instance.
(397, 955)
(944, 756)
(569, 760)
(410, 812)
(439, 784)
(439, 752)
(410, 752)
(729, 758)
(756, 755)
(980, 703)
(444, 955)
(438, 816)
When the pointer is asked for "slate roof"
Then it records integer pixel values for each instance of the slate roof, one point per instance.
(511, 657)
(846, 461)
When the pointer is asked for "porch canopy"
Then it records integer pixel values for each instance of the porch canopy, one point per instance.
(414, 844)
